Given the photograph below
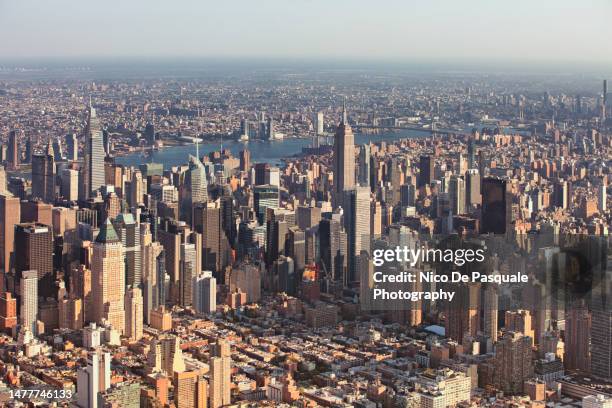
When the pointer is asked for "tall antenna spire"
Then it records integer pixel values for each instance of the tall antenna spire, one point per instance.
(92, 111)
(344, 115)
(197, 142)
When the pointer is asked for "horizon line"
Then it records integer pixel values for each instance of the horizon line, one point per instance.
(330, 58)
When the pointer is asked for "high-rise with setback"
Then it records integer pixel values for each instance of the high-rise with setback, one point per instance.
(108, 278)
(195, 188)
(93, 166)
(129, 232)
(344, 157)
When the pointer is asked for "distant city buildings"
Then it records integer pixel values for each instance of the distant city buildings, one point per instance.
(138, 269)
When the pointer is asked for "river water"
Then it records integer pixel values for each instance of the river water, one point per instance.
(261, 151)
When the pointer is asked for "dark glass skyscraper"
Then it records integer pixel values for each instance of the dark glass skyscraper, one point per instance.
(34, 251)
(364, 165)
(13, 151)
(72, 147)
(357, 224)
(332, 249)
(149, 133)
(496, 206)
(265, 196)
(43, 175)
(426, 171)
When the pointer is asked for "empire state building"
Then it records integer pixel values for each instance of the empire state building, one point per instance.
(344, 158)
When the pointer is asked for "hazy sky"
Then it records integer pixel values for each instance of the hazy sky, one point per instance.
(526, 30)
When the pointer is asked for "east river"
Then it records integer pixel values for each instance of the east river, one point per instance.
(261, 151)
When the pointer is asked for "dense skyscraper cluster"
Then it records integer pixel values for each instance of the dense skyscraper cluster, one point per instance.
(151, 262)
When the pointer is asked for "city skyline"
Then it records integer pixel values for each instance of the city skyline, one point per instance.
(233, 223)
(305, 204)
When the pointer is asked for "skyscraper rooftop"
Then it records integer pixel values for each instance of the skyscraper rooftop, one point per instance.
(107, 233)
